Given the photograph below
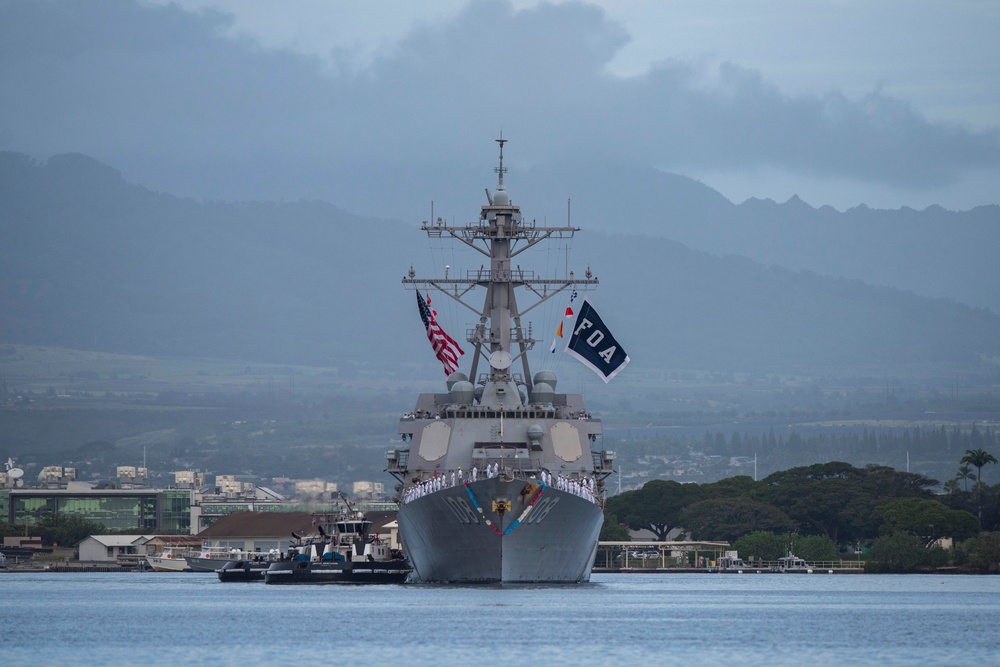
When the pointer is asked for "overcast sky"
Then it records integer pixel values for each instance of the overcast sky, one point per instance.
(887, 103)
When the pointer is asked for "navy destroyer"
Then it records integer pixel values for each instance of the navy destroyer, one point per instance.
(502, 480)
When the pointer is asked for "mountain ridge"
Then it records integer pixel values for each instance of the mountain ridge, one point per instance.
(935, 252)
(92, 261)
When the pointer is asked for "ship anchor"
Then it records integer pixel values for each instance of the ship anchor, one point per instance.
(501, 507)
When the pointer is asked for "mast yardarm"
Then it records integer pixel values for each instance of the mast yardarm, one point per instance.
(498, 337)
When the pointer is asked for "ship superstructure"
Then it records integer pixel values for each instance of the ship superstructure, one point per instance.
(502, 480)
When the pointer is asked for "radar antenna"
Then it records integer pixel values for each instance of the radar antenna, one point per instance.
(14, 474)
(500, 170)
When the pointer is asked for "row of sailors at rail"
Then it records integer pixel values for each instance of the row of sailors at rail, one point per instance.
(424, 414)
(583, 488)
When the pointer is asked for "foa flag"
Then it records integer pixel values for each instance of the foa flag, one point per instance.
(591, 342)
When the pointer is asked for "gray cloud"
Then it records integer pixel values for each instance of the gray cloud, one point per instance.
(166, 96)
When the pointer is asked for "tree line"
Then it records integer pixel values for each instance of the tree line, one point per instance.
(56, 529)
(889, 513)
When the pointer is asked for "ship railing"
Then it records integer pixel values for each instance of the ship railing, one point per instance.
(488, 275)
(531, 475)
(813, 566)
(517, 378)
(480, 334)
(131, 560)
(529, 472)
(525, 469)
(476, 412)
(700, 556)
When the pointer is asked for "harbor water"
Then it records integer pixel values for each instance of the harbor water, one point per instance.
(617, 619)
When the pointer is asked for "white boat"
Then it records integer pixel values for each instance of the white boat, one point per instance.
(792, 563)
(731, 563)
(211, 560)
(171, 559)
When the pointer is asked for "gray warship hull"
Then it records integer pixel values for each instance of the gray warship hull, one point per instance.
(448, 539)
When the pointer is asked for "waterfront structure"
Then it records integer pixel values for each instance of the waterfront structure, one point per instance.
(188, 507)
(254, 531)
(614, 555)
(112, 548)
(263, 531)
(145, 510)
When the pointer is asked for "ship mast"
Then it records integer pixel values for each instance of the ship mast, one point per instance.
(499, 337)
(500, 170)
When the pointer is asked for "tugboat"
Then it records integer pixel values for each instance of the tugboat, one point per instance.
(503, 480)
(248, 567)
(347, 552)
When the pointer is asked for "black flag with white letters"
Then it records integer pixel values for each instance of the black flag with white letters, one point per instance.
(592, 343)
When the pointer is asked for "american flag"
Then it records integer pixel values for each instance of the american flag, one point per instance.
(445, 348)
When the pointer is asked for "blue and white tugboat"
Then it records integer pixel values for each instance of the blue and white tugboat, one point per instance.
(345, 552)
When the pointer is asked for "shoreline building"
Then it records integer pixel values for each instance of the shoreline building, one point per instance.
(187, 508)
(145, 510)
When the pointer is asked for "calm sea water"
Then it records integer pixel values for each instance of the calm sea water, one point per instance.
(623, 619)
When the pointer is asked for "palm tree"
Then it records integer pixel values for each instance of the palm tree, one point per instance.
(978, 458)
(964, 475)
